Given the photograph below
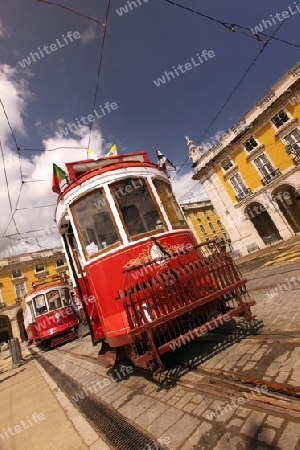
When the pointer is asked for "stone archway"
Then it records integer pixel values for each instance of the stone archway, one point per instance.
(20, 321)
(5, 328)
(288, 201)
(262, 222)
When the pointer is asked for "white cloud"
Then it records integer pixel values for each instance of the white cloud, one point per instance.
(188, 190)
(34, 194)
(31, 213)
(3, 31)
(14, 94)
(89, 34)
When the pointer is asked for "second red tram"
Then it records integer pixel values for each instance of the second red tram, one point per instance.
(144, 281)
(49, 317)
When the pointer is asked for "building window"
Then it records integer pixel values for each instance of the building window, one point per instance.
(266, 168)
(17, 273)
(219, 224)
(20, 291)
(293, 141)
(211, 226)
(202, 229)
(59, 262)
(239, 187)
(226, 164)
(39, 268)
(250, 144)
(280, 119)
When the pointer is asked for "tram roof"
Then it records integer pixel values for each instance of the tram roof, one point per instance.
(78, 168)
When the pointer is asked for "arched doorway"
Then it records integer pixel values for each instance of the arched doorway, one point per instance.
(5, 329)
(262, 222)
(288, 201)
(20, 321)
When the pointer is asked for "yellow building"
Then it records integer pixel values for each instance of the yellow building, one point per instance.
(204, 221)
(18, 272)
(16, 276)
(252, 174)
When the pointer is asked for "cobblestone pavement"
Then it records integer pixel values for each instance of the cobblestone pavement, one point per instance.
(197, 420)
(278, 254)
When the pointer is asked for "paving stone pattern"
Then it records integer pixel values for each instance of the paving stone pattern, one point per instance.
(185, 416)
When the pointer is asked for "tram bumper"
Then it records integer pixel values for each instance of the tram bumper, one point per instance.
(182, 301)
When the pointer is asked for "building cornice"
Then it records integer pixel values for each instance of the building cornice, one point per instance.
(242, 130)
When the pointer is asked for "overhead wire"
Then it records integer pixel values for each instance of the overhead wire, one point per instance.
(48, 2)
(232, 27)
(99, 68)
(265, 44)
(12, 219)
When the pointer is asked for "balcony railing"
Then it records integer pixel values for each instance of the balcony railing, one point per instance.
(270, 177)
(243, 195)
(294, 150)
(296, 160)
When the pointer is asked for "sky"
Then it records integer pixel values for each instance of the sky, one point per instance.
(43, 96)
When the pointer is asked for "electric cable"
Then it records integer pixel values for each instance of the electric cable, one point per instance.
(72, 11)
(232, 27)
(99, 68)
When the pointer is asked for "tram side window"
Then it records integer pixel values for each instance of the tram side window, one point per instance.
(169, 203)
(40, 305)
(138, 210)
(94, 222)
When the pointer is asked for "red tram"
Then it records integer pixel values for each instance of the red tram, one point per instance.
(143, 279)
(49, 318)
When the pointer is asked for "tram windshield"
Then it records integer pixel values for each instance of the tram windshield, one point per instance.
(94, 222)
(39, 304)
(138, 211)
(54, 299)
(169, 203)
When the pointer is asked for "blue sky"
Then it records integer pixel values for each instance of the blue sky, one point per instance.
(140, 46)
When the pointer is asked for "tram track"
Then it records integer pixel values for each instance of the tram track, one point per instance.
(116, 430)
(226, 386)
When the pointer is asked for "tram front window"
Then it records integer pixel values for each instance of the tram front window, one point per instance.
(137, 208)
(54, 300)
(65, 296)
(169, 203)
(40, 305)
(95, 226)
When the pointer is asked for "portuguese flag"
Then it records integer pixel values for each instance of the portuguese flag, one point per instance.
(58, 176)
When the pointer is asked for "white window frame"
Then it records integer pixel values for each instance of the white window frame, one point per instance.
(284, 123)
(39, 271)
(239, 187)
(297, 141)
(248, 140)
(60, 265)
(19, 276)
(23, 289)
(264, 170)
(229, 160)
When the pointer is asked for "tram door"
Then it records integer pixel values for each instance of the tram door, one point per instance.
(89, 306)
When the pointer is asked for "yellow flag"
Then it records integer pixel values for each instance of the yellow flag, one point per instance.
(91, 154)
(113, 151)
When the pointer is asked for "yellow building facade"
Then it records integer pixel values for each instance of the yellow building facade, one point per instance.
(252, 174)
(204, 221)
(16, 276)
(18, 272)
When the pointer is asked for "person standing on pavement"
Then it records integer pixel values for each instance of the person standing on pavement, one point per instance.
(77, 305)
